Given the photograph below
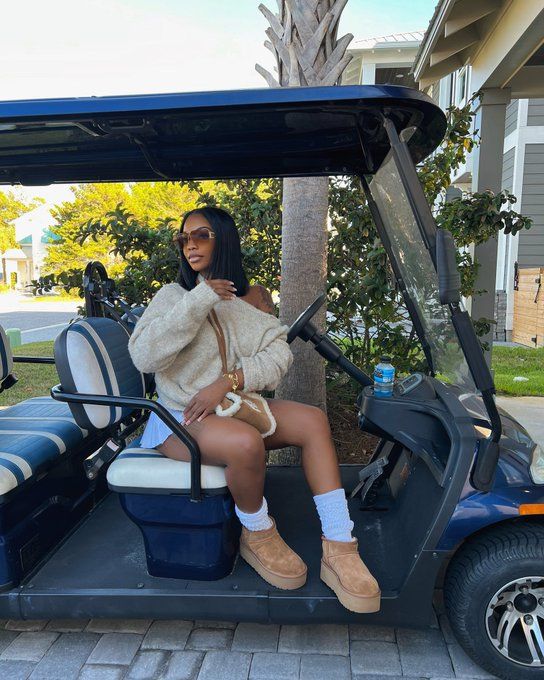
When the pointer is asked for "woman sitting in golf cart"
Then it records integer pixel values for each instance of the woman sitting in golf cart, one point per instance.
(208, 336)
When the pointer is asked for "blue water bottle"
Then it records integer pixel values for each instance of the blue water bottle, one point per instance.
(384, 378)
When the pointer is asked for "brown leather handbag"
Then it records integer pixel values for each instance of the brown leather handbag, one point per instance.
(247, 406)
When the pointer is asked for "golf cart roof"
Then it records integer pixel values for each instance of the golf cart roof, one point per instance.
(211, 135)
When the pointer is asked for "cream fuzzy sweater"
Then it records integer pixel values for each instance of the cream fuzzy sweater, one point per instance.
(175, 341)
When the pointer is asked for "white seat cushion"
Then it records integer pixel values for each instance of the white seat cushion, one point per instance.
(138, 470)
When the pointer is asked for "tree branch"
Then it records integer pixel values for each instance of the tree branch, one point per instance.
(336, 72)
(281, 49)
(272, 82)
(304, 29)
(293, 73)
(272, 20)
(311, 48)
(336, 55)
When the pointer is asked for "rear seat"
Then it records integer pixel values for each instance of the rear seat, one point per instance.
(33, 433)
(43, 487)
(38, 407)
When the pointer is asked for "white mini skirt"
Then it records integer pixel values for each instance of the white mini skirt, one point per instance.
(156, 431)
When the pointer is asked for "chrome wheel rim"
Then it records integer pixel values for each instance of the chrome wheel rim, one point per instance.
(514, 621)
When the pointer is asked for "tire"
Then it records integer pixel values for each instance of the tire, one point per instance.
(494, 594)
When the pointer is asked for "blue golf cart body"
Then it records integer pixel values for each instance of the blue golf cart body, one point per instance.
(452, 471)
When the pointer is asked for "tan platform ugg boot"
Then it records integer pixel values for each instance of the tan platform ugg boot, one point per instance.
(343, 570)
(272, 558)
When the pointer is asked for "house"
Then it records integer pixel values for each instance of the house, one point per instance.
(14, 267)
(495, 47)
(383, 60)
(522, 175)
(32, 233)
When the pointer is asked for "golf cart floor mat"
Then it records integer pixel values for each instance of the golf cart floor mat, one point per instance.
(100, 569)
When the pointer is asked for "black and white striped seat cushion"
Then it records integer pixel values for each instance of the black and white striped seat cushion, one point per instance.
(91, 356)
(138, 470)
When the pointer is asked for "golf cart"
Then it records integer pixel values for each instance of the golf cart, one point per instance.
(454, 496)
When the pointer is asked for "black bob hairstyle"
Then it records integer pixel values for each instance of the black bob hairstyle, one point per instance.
(227, 253)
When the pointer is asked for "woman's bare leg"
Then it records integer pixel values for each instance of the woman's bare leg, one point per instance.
(234, 444)
(308, 427)
(341, 566)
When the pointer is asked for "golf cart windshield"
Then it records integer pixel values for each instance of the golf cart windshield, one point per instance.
(419, 275)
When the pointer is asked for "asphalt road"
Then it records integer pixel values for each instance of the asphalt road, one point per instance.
(37, 320)
(530, 413)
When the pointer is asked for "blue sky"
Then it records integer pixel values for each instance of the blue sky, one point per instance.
(67, 48)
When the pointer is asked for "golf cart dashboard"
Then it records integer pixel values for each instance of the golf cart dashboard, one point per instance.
(421, 414)
(408, 384)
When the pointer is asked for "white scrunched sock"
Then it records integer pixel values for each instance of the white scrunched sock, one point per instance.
(332, 508)
(254, 521)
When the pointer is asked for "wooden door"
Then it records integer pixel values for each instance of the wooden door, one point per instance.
(528, 327)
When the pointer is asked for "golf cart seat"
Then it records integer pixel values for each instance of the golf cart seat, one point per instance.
(183, 539)
(137, 470)
(33, 433)
(43, 489)
(30, 443)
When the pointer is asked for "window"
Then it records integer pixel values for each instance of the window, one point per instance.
(461, 86)
(451, 88)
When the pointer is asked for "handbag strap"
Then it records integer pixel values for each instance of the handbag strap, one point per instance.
(212, 318)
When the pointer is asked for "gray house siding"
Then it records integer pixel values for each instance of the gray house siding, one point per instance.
(435, 91)
(508, 169)
(535, 112)
(511, 120)
(531, 242)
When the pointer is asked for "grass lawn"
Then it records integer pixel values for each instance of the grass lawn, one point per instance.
(510, 362)
(51, 298)
(35, 380)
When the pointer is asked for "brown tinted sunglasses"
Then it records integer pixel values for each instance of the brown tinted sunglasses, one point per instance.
(198, 235)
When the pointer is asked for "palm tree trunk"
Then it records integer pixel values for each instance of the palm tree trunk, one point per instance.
(302, 37)
(303, 278)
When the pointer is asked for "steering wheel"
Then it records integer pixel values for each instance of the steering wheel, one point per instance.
(299, 327)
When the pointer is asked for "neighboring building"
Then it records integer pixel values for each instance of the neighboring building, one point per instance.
(14, 266)
(522, 175)
(32, 233)
(496, 47)
(383, 60)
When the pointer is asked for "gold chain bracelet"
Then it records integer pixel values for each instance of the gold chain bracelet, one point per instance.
(233, 377)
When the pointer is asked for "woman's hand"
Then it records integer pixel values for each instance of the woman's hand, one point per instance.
(222, 287)
(205, 401)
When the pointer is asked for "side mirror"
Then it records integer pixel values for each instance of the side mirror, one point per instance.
(449, 278)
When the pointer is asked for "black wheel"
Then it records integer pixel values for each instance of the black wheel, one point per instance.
(494, 596)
